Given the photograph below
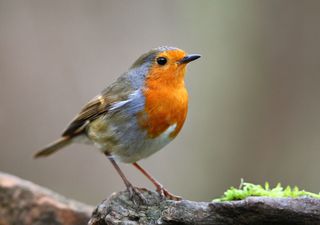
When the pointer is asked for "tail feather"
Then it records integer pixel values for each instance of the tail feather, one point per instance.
(53, 147)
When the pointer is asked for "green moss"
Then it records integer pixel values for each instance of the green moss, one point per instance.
(247, 189)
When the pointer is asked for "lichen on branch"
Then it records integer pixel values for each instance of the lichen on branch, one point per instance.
(246, 190)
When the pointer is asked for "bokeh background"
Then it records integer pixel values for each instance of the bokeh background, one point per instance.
(254, 95)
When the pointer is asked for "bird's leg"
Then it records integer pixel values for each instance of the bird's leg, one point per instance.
(159, 187)
(131, 189)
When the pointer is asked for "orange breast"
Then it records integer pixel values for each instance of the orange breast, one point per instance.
(164, 108)
(166, 104)
(166, 98)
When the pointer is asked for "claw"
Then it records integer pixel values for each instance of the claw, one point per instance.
(136, 196)
(164, 193)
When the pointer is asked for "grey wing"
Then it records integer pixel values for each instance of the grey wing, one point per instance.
(96, 107)
(101, 104)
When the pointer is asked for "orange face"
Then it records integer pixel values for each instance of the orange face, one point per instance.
(166, 98)
(171, 73)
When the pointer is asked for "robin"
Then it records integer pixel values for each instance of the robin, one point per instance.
(137, 115)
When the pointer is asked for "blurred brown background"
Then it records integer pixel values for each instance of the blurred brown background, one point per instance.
(254, 95)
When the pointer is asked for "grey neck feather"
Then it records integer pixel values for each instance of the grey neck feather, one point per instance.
(140, 69)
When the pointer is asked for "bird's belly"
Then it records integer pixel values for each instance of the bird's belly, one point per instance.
(126, 141)
(143, 146)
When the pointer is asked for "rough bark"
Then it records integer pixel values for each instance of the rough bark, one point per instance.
(22, 202)
(118, 209)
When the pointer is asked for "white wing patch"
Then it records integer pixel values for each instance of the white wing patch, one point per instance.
(117, 105)
(120, 104)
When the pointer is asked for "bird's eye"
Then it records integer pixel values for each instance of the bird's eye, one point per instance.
(161, 61)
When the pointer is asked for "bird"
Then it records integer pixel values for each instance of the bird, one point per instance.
(135, 116)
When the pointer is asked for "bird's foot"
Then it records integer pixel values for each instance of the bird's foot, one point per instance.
(165, 194)
(136, 196)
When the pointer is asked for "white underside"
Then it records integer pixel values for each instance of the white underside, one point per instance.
(147, 147)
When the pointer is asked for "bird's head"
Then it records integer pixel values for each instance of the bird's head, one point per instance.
(166, 65)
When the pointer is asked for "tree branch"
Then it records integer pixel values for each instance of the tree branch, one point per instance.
(22, 202)
(118, 209)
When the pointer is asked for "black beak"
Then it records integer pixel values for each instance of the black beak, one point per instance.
(189, 58)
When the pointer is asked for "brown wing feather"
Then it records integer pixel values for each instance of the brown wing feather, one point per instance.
(97, 106)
